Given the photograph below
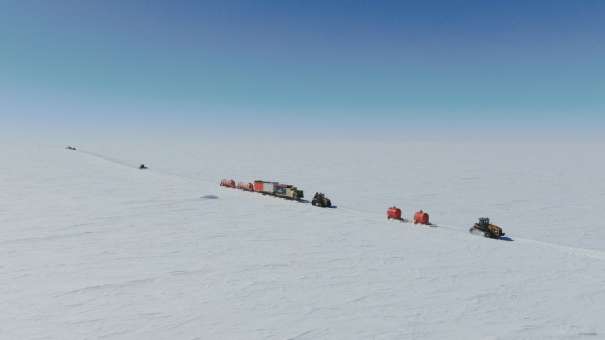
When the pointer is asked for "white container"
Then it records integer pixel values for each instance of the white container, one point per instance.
(268, 187)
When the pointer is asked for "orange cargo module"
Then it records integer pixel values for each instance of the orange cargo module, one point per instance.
(421, 217)
(394, 213)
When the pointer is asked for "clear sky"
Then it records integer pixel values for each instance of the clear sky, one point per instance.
(205, 65)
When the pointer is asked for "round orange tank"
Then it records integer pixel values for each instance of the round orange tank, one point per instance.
(421, 217)
(394, 213)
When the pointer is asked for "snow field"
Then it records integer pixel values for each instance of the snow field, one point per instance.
(94, 248)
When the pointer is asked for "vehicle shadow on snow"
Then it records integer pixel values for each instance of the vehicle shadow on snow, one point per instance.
(506, 238)
(330, 207)
(307, 202)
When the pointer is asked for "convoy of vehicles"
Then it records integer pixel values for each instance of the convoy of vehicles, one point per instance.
(290, 192)
(276, 189)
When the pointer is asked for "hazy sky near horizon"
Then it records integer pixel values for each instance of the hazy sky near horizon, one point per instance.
(213, 64)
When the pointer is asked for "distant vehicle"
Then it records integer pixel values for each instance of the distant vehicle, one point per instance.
(69, 147)
(142, 166)
(488, 229)
(320, 200)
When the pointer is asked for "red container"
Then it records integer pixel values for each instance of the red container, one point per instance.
(421, 217)
(394, 213)
(264, 186)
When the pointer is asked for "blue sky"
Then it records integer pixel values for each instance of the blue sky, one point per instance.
(313, 64)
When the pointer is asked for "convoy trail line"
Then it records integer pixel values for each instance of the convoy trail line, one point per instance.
(574, 251)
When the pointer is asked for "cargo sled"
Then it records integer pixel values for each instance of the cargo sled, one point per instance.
(229, 183)
(486, 228)
(421, 217)
(394, 213)
(286, 191)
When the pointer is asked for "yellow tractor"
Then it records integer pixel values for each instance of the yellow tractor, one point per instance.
(486, 228)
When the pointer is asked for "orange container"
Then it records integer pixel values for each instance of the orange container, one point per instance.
(258, 186)
(421, 217)
(394, 213)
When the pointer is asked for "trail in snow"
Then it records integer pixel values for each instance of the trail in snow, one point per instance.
(592, 253)
(108, 159)
(134, 166)
(576, 251)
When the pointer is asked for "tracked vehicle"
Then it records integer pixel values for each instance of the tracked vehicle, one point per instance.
(486, 228)
(320, 200)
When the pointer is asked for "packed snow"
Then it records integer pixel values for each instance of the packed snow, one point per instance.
(93, 247)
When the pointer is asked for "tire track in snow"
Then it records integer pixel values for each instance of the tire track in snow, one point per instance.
(108, 159)
(577, 251)
(117, 161)
(134, 166)
(571, 250)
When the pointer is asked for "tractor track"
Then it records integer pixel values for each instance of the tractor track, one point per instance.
(570, 250)
(134, 166)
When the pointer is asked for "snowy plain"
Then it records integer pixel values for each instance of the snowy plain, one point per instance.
(93, 248)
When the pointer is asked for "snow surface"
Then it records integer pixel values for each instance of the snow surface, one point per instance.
(92, 247)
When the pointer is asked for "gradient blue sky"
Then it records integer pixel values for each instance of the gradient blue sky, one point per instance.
(315, 64)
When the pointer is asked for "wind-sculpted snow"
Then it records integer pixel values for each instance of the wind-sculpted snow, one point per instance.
(93, 247)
